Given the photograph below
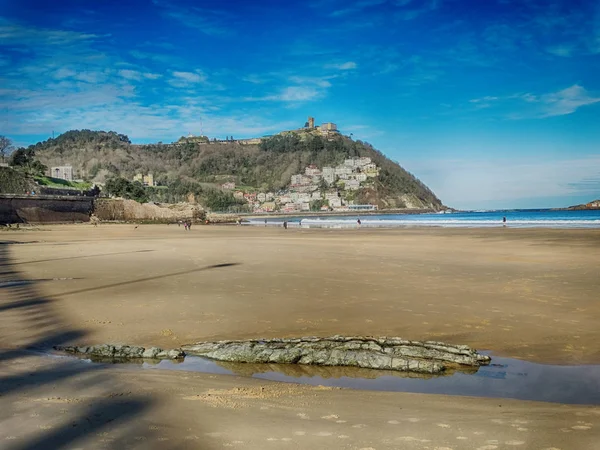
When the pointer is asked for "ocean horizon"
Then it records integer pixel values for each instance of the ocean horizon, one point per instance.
(515, 218)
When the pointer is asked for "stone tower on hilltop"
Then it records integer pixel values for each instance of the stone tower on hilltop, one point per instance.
(311, 122)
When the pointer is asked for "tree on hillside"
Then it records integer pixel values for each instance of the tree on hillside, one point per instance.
(5, 146)
(121, 187)
(24, 159)
(316, 205)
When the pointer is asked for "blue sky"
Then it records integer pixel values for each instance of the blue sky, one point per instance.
(491, 103)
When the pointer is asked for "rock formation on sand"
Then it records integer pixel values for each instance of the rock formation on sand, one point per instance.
(366, 352)
(108, 351)
(383, 353)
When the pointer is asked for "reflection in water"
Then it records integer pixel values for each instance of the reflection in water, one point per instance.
(328, 372)
(504, 378)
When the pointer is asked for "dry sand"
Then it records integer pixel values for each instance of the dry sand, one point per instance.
(530, 294)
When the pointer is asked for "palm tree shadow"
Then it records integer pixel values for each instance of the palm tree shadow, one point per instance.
(35, 325)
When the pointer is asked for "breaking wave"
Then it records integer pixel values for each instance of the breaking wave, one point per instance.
(387, 223)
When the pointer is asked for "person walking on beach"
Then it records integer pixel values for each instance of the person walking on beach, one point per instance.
(285, 225)
(504, 221)
(358, 222)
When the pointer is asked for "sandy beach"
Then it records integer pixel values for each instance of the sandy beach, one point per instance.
(528, 294)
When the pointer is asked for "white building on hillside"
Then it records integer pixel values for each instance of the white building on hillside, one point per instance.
(329, 175)
(343, 170)
(311, 171)
(335, 202)
(351, 185)
(62, 172)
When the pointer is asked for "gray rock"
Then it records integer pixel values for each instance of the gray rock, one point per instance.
(151, 352)
(175, 354)
(125, 352)
(355, 351)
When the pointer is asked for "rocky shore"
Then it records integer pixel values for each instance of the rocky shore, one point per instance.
(357, 351)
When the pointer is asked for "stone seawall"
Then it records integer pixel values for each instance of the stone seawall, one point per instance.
(358, 351)
(111, 210)
(44, 209)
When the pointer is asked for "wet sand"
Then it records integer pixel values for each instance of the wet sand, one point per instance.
(529, 294)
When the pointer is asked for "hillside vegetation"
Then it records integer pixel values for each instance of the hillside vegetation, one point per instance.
(15, 182)
(197, 169)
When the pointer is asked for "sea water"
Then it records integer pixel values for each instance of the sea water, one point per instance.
(538, 218)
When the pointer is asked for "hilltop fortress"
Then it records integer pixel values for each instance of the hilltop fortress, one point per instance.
(326, 129)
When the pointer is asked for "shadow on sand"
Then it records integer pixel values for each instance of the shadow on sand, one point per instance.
(28, 379)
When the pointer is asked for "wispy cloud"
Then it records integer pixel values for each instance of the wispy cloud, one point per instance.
(398, 9)
(358, 6)
(567, 100)
(291, 94)
(561, 50)
(529, 105)
(409, 10)
(298, 94)
(322, 82)
(158, 57)
(20, 35)
(349, 65)
(206, 21)
(190, 77)
(138, 76)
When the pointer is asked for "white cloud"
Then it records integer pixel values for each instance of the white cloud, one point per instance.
(159, 57)
(291, 94)
(322, 82)
(130, 74)
(204, 20)
(254, 79)
(561, 50)
(356, 7)
(344, 66)
(487, 98)
(529, 105)
(298, 93)
(190, 77)
(425, 6)
(19, 35)
(135, 75)
(64, 72)
(566, 101)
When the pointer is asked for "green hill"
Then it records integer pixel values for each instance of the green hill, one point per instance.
(199, 168)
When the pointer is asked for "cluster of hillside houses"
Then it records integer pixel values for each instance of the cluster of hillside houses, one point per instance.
(325, 185)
